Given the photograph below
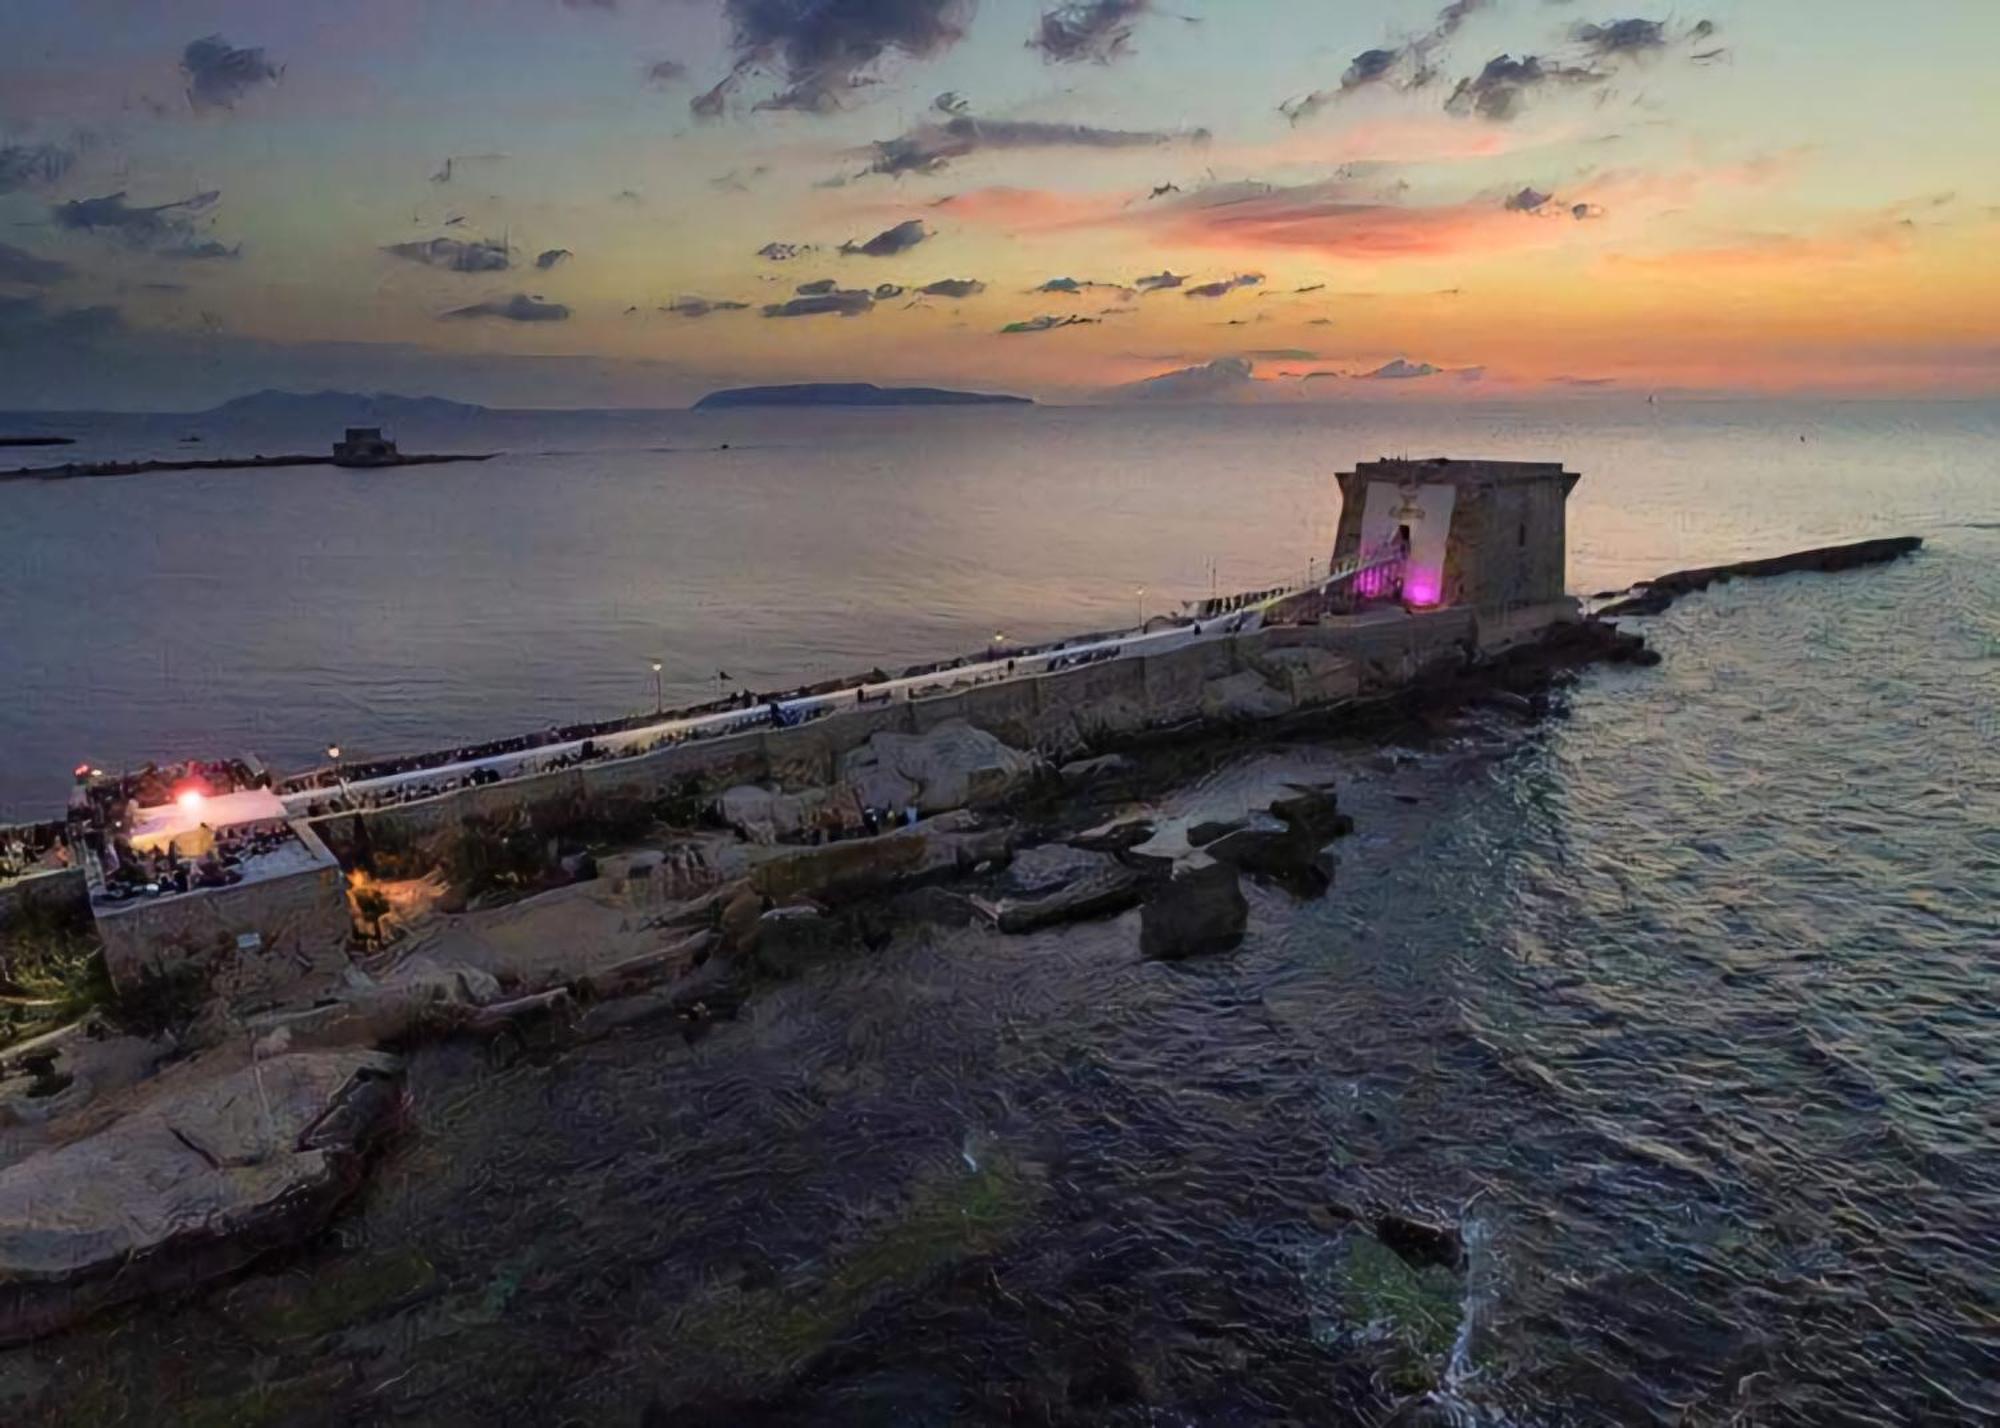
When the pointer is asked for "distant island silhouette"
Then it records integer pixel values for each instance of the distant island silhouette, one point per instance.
(852, 394)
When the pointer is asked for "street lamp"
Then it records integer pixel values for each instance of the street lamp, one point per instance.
(333, 753)
(659, 691)
(1140, 596)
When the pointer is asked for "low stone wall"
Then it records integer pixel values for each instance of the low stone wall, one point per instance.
(1060, 714)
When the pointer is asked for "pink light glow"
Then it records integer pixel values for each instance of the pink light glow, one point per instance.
(1421, 587)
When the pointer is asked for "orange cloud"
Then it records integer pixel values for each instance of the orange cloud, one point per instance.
(1330, 220)
(1038, 209)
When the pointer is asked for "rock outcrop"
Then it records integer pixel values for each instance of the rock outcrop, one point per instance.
(192, 1185)
(952, 766)
(1055, 884)
(1198, 909)
(1655, 595)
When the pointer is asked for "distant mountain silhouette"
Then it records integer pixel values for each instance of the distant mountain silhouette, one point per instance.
(852, 394)
(340, 409)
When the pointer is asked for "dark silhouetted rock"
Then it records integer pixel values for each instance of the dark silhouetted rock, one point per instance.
(1056, 883)
(1115, 837)
(1420, 1243)
(1200, 835)
(1283, 856)
(1197, 910)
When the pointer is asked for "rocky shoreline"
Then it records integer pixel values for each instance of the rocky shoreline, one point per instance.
(155, 1160)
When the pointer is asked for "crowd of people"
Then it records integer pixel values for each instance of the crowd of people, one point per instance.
(31, 848)
(161, 872)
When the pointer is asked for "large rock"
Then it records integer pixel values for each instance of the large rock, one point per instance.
(1243, 696)
(1199, 909)
(1309, 675)
(952, 766)
(1312, 811)
(1280, 855)
(1115, 836)
(193, 1185)
(950, 843)
(420, 996)
(1054, 884)
(790, 939)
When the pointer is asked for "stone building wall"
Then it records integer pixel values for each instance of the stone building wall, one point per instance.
(301, 921)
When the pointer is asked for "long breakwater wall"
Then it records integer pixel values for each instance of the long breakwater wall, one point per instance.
(1264, 673)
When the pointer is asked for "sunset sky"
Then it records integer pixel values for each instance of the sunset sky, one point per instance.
(629, 202)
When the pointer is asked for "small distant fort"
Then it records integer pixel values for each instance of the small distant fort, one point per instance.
(1438, 564)
(365, 446)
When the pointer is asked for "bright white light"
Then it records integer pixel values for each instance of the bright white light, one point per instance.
(190, 800)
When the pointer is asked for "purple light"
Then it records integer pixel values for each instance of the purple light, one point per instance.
(1421, 587)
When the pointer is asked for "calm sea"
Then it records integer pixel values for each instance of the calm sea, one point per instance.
(1681, 1003)
(204, 613)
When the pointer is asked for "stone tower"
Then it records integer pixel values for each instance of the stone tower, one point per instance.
(1489, 534)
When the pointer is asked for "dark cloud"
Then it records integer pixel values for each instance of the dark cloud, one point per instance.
(29, 321)
(701, 307)
(1622, 37)
(1226, 285)
(457, 255)
(1074, 287)
(953, 288)
(783, 252)
(885, 292)
(1408, 65)
(201, 250)
(1401, 369)
(824, 49)
(841, 302)
(1497, 90)
(816, 287)
(1206, 382)
(930, 147)
(518, 308)
(1569, 381)
(219, 73)
(20, 266)
(32, 165)
(951, 102)
(1581, 211)
(1159, 282)
(1528, 200)
(1096, 30)
(891, 241)
(549, 257)
(1047, 322)
(163, 228)
(665, 72)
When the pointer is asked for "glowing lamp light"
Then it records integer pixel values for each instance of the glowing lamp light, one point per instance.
(189, 799)
(1420, 587)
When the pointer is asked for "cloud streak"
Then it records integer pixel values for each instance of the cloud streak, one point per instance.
(17, 265)
(839, 302)
(890, 241)
(518, 308)
(929, 148)
(459, 255)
